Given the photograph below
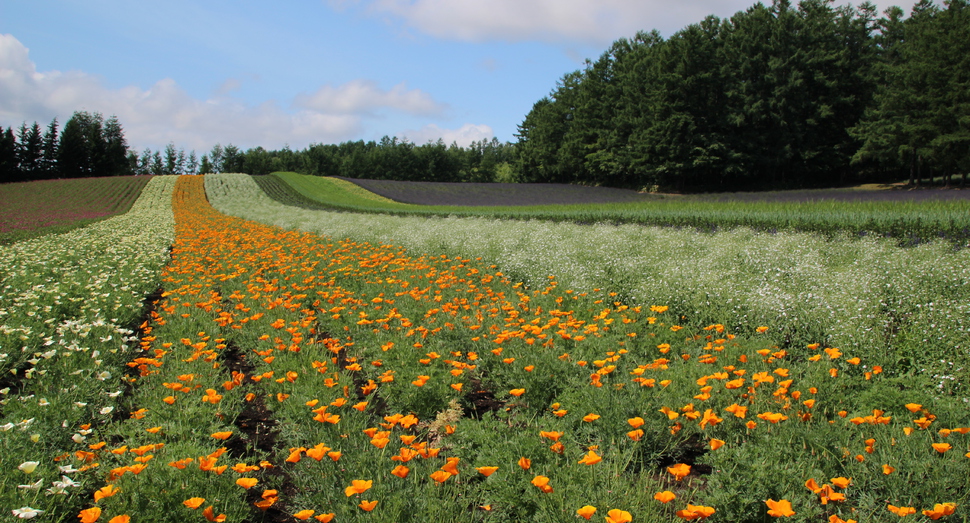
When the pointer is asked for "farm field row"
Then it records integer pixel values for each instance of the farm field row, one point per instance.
(70, 308)
(289, 376)
(32, 209)
(909, 217)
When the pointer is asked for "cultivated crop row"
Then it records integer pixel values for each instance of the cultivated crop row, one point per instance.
(30, 208)
(908, 217)
(70, 309)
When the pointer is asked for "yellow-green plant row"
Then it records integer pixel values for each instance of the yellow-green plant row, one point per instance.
(70, 306)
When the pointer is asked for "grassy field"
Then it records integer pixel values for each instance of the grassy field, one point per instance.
(909, 217)
(32, 209)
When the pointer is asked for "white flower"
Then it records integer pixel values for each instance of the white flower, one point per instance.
(78, 438)
(28, 467)
(106, 410)
(43, 402)
(26, 512)
(7, 426)
(80, 404)
(32, 486)
(67, 469)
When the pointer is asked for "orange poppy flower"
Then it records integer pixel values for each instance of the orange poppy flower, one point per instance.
(693, 512)
(636, 422)
(525, 463)
(194, 503)
(304, 515)
(358, 487)
(942, 447)
(367, 506)
(940, 510)
(589, 418)
(324, 518)
(451, 466)
(591, 458)
(679, 471)
(440, 476)
(618, 516)
(635, 435)
(210, 515)
(665, 496)
(89, 515)
(222, 435)
(901, 511)
(486, 471)
(781, 508)
(586, 512)
(401, 471)
(247, 483)
(542, 483)
(105, 492)
(517, 392)
(124, 518)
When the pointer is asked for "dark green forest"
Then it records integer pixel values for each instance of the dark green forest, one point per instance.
(778, 96)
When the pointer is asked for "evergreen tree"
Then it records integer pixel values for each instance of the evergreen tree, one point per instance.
(9, 168)
(157, 165)
(49, 156)
(114, 161)
(204, 166)
(30, 152)
(192, 166)
(215, 159)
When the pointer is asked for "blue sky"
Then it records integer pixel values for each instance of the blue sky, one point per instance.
(300, 72)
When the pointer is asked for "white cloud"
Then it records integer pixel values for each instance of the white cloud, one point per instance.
(596, 22)
(463, 136)
(364, 97)
(165, 112)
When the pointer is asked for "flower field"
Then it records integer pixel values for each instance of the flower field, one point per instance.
(70, 306)
(40, 207)
(284, 375)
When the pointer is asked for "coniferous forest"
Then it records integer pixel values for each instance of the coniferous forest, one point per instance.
(778, 96)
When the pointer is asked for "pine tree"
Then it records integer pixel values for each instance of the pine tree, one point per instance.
(49, 156)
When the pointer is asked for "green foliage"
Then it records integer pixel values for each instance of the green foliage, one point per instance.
(776, 96)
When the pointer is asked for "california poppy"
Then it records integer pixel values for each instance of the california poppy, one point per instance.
(679, 471)
(586, 512)
(781, 508)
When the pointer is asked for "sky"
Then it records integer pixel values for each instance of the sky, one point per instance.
(298, 72)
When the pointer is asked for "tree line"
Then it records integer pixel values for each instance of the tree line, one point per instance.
(88, 146)
(92, 146)
(775, 96)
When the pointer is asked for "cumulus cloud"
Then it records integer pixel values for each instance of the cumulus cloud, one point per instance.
(365, 97)
(463, 136)
(596, 22)
(165, 112)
